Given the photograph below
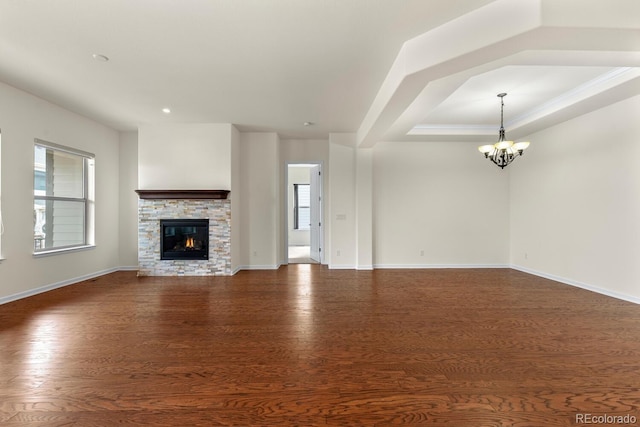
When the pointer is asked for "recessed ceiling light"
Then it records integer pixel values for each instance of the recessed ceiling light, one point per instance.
(308, 123)
(100, 57)
(166, 110)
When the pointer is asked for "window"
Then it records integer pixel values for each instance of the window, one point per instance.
(63, 188)
(301, 206)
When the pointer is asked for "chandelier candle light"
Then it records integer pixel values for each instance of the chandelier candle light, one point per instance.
(503, 152)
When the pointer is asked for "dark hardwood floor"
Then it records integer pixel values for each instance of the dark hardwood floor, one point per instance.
(308, 346)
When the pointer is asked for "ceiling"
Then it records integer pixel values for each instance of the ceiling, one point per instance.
(386, 69)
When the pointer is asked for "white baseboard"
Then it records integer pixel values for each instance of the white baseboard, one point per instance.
(52, 286)
(257, 267)
(342, 267)
(423, 266)
(577, 284)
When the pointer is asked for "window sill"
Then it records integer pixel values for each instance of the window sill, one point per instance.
(41, 254)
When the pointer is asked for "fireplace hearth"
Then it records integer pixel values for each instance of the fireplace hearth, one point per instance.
(184, 239)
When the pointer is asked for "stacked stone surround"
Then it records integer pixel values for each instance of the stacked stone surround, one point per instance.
(150, 212)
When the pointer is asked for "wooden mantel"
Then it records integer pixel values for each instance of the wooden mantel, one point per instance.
(182, 194)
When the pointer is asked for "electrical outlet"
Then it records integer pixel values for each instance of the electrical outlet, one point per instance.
(422, 252)
(255, 253)
(338, 252)
(526, 255)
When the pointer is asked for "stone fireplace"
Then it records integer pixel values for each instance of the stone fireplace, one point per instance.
(184, 233)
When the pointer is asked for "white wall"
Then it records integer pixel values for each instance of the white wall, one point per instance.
(364, 208)
(259, 200)
(24, 117)
(193, 156)
(351, 204)
(438, 204)
(575, 202)
(342, 224)
(297, 175)
(128, 177)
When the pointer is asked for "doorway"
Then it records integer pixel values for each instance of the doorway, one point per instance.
(304, 213)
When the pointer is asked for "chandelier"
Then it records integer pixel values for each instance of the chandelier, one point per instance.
(503, 152)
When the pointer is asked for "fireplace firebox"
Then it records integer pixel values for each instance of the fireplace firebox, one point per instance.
(186, 239)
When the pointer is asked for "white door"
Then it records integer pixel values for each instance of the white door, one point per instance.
(315, 213)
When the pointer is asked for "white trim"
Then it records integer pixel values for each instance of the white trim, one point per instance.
(595, 86)
(365, 267)
(45, 253)
(258, 267)
(419, 266)
(598, 290)
(52, 286)
(342, 267)
(58, 147)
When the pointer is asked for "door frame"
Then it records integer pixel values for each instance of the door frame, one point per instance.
(286, 215)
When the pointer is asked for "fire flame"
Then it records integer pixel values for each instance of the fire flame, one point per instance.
(189, 243)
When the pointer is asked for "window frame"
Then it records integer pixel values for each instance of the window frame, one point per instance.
(88, 190)
(297, 206)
